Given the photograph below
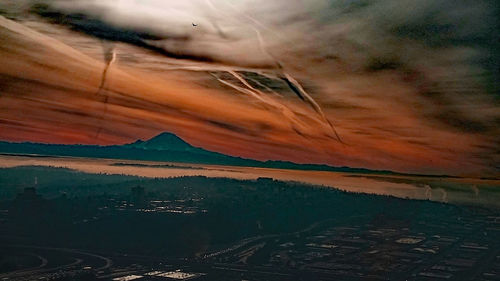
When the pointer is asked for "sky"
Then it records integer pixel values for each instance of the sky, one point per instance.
(410, 86)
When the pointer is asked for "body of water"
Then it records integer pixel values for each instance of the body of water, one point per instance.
(450, 190)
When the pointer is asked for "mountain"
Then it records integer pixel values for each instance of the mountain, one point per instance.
(165, 147)
(165, 142)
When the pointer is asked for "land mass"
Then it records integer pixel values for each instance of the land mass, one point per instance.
(70, 225)
(167, 147)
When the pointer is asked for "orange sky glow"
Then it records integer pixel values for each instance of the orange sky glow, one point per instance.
(411, 115)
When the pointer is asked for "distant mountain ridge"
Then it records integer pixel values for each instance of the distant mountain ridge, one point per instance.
(166, 147)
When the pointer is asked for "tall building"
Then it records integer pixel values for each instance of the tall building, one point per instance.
(28, 203)
(28, 194)
(138, 196)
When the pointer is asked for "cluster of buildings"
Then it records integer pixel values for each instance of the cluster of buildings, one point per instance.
(157, 275)
(465, 248)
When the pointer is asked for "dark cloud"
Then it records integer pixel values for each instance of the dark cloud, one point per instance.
(266, 83)
(459, 121)
(381, 63)
(103, 30)
(231, 127)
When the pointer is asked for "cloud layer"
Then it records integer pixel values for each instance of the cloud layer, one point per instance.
(404, 85)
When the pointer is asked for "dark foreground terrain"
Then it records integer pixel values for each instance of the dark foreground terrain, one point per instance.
(67, 225)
